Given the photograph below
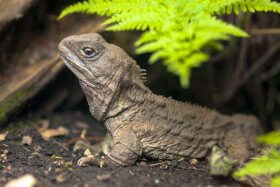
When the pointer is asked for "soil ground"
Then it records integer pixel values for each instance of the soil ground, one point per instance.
(53, 162)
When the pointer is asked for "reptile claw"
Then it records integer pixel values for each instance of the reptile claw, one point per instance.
(87, 160)
(91, 160)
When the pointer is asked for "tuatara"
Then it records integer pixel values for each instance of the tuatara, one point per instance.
(143, 124)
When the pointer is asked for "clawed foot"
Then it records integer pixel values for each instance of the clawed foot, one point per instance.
(93, 160)
(90, 160)
(220, 164)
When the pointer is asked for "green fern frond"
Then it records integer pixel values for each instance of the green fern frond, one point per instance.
(267, 164)
(81, 7)
(105, 7)
(146, 37)
(272, 138)
(249, 6)
(215, 25)
(275, 181)
(142, 21)
(175, 31)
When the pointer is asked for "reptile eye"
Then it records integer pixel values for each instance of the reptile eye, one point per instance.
(89, 52)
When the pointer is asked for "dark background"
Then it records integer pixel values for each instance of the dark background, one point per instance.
(243, 78)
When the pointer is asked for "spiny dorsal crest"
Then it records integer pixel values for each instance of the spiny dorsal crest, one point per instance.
(139, 71)
(143, 74)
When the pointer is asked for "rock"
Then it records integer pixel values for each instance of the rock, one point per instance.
(26, 140)
(104, 177)
(193, 161)
(25, 180)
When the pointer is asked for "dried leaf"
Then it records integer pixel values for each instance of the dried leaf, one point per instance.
(26, 140)
(3, 136)
(49, 133)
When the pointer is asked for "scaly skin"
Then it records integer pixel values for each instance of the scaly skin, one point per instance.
(145, 124)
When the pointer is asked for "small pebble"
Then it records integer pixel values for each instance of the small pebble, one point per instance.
(87, 152)
(3, 136)
(157, 181)
(104, 177)
(193, 161)
(164, 166)
(182, 164)
(25, 180)
(60, 178)
(4, 156)
(26, 140)
(142, 163)
(174, 162)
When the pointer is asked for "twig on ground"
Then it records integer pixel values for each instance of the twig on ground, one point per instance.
(266, 31)
(159, 163)
(60, 144)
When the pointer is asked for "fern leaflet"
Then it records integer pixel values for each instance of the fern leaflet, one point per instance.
(175, 31)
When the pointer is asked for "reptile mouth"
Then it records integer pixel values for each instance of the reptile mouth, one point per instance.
(74, 64)
(71, 60)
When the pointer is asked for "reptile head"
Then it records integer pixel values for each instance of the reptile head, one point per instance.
(84, 56)
(101, 67)
(92, 59)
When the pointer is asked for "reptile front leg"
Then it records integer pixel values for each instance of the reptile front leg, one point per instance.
(125, 151)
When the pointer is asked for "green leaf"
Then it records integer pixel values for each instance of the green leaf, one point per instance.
(81, 7)
(177, 32)
(266, 164)
(275, 181)
(272, 138)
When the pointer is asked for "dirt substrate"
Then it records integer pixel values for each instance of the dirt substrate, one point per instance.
(53, 162)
